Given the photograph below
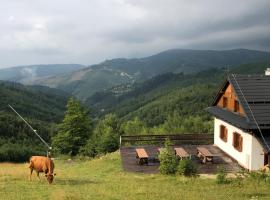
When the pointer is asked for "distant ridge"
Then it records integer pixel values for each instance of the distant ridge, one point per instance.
(85, 82)
(28, 74)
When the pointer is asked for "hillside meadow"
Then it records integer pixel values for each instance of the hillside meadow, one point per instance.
(103, 178)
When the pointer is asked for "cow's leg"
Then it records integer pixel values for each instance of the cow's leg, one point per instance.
(30, 176)
(38, 175)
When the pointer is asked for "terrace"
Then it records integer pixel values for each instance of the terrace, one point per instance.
(189, 142)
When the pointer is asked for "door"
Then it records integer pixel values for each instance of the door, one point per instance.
(266, 159)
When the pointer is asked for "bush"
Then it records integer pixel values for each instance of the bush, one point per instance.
(187, 168)
(221, 176)
(90, 149)
(17, 152)
(168, 160)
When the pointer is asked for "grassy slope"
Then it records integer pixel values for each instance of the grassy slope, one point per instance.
(104, 179)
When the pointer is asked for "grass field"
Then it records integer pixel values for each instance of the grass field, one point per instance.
(104, 179)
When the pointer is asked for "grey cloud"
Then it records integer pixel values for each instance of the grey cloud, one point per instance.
(65, 31)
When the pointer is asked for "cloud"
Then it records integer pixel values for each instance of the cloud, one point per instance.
(82, 31)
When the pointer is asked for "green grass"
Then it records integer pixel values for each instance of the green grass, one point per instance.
(104, 178)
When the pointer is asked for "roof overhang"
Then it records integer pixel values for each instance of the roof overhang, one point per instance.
(231, 118)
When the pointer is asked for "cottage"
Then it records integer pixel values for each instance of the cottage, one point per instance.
(242, 119)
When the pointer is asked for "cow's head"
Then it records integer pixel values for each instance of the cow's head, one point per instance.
(50, 177)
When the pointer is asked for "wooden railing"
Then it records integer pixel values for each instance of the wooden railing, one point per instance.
(160, 139)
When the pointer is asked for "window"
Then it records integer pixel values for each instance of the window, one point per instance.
(223, 134)
(236, 106)
(225, 102)
(237, 141)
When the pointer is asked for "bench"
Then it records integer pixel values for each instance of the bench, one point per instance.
(181, 153)
(142, 156)
(205, 155)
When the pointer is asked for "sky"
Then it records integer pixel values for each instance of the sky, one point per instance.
(90, 31)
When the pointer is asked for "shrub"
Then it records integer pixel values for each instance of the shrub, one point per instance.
(90, 149)
(221, 176)
(17, 152)
(168, 160)
(187, 168)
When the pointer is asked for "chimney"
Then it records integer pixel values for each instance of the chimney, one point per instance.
(267, 72)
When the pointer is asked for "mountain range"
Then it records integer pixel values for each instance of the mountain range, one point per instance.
(167, 96)
(83, 81)
(31, 73)
(156, 98)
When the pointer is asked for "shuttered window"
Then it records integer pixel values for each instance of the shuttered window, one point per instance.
(238, 141)
(223, 134)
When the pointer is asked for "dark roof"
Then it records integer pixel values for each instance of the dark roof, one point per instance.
(253, 93)
(230, 117)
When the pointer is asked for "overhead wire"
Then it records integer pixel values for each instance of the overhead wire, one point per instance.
(35, 131)
(260, 131)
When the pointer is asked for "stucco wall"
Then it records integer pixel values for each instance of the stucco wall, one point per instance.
(251, 157)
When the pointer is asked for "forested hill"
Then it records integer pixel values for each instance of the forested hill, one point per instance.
(186, 61)
(29, 74)
(85, 82)
(153, 101)
(37, 102)
(42, 107)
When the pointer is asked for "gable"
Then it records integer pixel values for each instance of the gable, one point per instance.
(252, 93)
(228, 100)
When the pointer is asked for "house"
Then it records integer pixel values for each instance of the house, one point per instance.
(241, 111)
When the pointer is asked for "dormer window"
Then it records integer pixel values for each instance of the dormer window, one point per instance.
(225, 102)
(236, 106)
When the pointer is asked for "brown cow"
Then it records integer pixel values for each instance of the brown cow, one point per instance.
(42, 164)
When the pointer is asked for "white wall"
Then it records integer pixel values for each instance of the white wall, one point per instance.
(267, 72)
(251, 157)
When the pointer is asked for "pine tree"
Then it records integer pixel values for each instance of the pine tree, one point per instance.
(75, 129)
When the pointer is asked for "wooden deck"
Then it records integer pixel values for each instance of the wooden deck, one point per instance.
(128, 155)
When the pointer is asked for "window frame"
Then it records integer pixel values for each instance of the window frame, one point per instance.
(223, 133)
(224, 105)
(236, 106)
(237, 141)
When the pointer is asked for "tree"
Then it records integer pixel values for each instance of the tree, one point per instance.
(75, 129)
(105, 138)
(168, 160)
(108, 132)
(174, 124)
(134, 127)
(187, 168)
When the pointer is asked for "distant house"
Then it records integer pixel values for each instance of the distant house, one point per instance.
(242, 119)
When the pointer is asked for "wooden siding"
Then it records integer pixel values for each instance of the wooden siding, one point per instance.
(231, 98)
